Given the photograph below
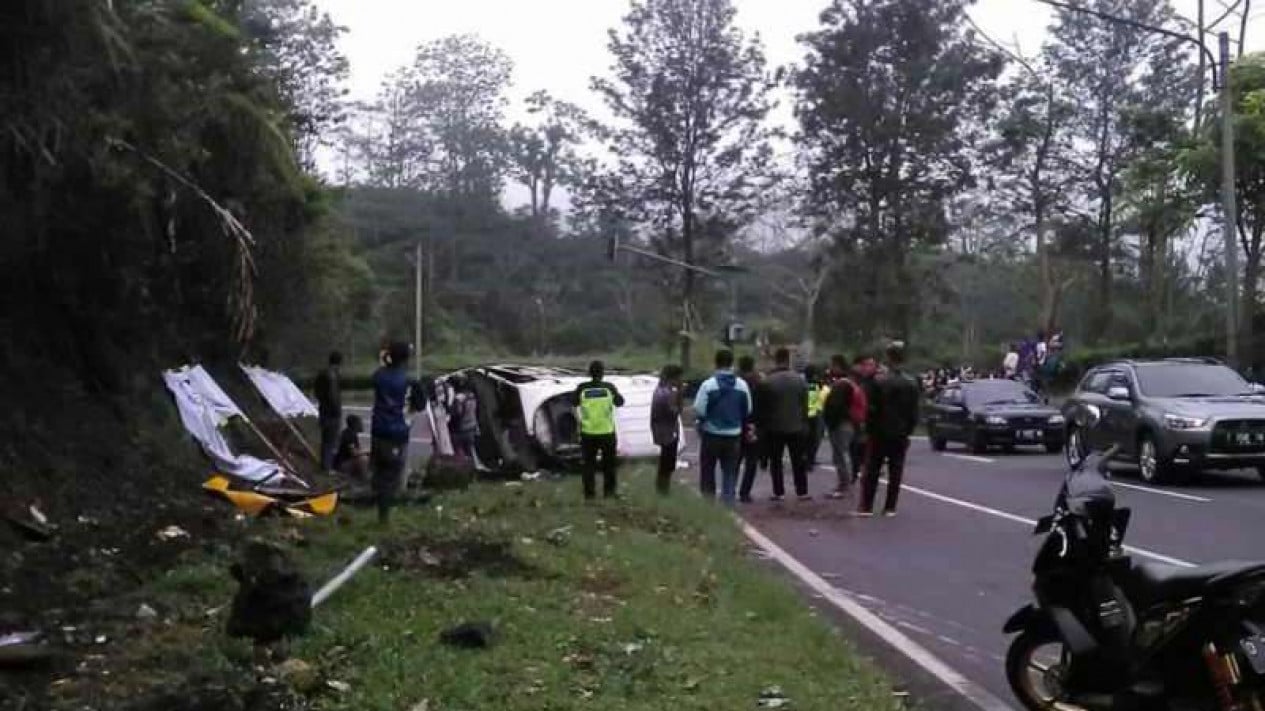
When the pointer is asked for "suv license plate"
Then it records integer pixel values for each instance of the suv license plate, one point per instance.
(1030, 435)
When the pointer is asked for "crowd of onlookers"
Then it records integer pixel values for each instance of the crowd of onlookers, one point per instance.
(1032, 361)
(751, 421)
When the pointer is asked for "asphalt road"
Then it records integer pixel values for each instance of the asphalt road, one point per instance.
(955, 562)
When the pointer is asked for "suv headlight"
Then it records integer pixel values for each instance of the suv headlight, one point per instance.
(1055, 420)
(1179, 422)
(996, 420)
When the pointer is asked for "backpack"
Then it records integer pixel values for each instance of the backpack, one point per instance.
(859, 406)
(725, 405)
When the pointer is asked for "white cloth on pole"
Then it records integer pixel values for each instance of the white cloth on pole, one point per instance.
(204, 408)
(280, 392)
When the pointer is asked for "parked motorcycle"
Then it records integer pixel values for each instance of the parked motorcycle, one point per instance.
(1107, 632)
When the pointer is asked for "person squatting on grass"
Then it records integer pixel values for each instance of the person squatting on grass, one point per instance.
(723, 407)
(393, 391)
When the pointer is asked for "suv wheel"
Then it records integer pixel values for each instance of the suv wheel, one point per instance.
(1150, 467)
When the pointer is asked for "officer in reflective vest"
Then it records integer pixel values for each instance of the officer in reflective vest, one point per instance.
(596, 401)
(817, 394)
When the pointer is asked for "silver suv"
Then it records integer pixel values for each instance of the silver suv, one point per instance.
(1176, 417)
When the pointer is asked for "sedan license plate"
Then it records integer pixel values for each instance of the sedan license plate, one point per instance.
(1029, 435)
(1248, 439)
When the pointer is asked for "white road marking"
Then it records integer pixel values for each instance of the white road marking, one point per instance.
(1158, 557)
(1161, 492)
(969, 458)
(975, 693)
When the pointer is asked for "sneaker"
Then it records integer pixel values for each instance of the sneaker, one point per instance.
(745, 500)
(862, 513)
(838, 494)
(889, 514)
(777, 498)
(805, 497)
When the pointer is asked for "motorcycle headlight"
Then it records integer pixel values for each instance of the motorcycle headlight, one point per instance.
(995, 420)
(1179, 422)
(1055, 420)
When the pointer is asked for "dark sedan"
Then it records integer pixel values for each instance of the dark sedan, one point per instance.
(993, 413)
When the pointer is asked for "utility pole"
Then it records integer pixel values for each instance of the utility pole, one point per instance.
(417, 310)
(1229, 209)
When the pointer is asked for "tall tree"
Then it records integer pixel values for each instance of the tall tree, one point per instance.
(890, 97)
(690, 94)
(298, 47)
(458, 93)
(1111, 71)
(1247, 86)
(546, 153)
(1033, 159)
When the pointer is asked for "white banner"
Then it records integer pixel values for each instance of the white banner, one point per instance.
(204, 408)
(280, 392)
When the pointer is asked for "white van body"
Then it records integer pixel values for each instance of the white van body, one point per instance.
(542, 405)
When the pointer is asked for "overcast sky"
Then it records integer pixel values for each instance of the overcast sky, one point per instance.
(559, 44)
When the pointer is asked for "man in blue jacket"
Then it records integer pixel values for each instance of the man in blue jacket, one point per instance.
(393, 392)
(722, 407)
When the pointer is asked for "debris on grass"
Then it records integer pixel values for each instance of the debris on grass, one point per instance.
(469, 635)
(24, 649)
(145, 612)
(273, 600)
(172, 533)
(773, 698)
(298, 675)
(559, 536)
(341, 687)
(32, 524)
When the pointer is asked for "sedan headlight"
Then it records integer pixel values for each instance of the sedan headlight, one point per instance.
(996, 420)
(1179, 422)
(1055, 420)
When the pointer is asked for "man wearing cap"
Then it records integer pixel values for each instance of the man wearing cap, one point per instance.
(893, 417)
(596, 401)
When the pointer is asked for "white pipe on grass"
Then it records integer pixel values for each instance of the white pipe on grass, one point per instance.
(337, 581)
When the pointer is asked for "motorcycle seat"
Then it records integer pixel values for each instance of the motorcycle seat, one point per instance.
(1156, 582)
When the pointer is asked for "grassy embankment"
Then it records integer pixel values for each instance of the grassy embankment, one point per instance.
(638, 604)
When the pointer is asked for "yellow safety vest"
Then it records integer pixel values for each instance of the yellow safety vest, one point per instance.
(597, 411)
(817, 395)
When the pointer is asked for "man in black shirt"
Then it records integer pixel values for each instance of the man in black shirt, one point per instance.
(893, 418)
(329, 400)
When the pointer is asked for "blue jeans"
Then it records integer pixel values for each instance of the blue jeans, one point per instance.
(725, 452)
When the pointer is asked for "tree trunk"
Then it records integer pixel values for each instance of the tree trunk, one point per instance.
(1251, 283)
(687, 288)
(1147, 272)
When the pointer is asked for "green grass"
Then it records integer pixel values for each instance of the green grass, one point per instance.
(648, 604)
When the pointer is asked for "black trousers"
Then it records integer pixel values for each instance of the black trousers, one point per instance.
(778, 443)
(752, 454)
(330, 428)
(387, 460)
(879, 452)
(812, 442)
(858, 455)
(667, 465)
(590, 447)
